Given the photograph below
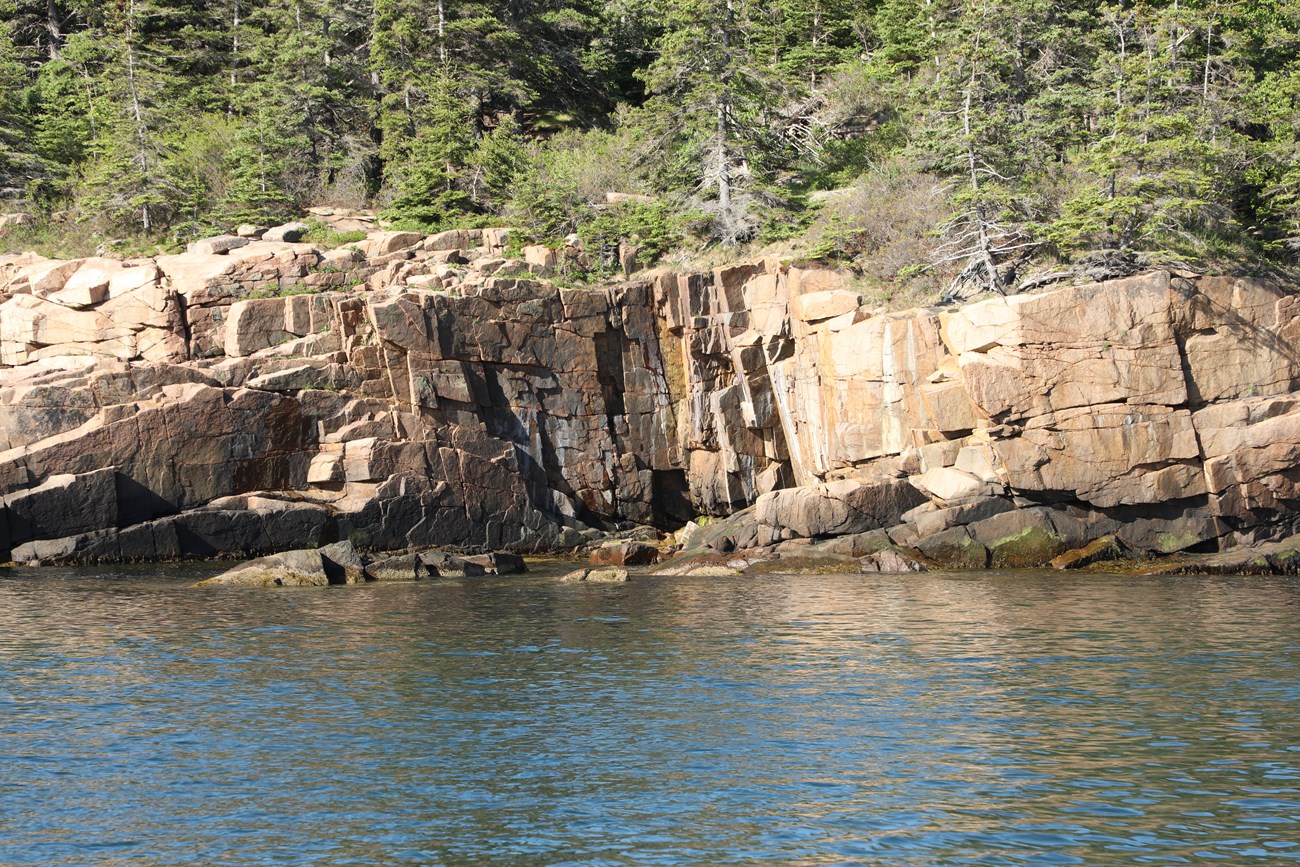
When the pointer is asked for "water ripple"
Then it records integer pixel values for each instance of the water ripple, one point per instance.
(916, 720)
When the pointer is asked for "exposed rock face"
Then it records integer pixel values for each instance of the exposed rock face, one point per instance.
(260, 395)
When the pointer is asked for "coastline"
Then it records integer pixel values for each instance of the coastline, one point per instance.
(411, 392)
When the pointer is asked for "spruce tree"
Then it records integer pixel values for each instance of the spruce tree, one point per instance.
(18, 162)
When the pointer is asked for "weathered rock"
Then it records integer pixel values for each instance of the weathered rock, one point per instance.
(838, 508)
(289, 233)
(816, 306)
(540, 257)
(955, 549)
(1019, 539)
(947, 484)
(402, 567)
(220, 244)
(1108, 455)
(891, 560)
(1276, 558)
(13, 221)
(333, 564)
(63, 505)
(605, 575)
(502, 413)
(498, 563)
(383, 243)
(857, 544)
(1103, 550)
(625, 554)
(443, 565)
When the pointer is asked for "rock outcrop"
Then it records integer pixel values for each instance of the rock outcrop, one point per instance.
(256, 395)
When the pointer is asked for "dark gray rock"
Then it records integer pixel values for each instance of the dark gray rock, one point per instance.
(62, 506)
(402, 567)
(289, 232)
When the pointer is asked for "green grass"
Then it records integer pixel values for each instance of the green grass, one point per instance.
(320, 232)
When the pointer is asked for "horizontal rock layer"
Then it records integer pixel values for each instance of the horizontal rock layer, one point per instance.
(252, 396)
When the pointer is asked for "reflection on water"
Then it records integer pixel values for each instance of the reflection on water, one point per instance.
(911, 720)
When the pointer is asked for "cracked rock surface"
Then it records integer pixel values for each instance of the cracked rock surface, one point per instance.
(253, 396)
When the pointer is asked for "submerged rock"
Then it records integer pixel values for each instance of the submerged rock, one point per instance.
(338, 563)
(1272, 558)
(1103, 550)
(604, 575)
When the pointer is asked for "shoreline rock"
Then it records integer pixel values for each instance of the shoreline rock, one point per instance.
(341, 563)
(259, 394)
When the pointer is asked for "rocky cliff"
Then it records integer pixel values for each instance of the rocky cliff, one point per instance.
(255, 395)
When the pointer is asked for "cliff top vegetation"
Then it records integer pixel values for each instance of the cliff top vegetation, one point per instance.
(933, 146)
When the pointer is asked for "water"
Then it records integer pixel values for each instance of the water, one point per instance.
(911, 720)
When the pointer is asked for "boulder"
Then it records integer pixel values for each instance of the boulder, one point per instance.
(540, 257)
(948, 484)
(14, 221)
(455, 239)
(402, 567)
(892, 561)
(497, 563)
(955, 549)
(217, 246)
(288, 233)
(625, 554)
(384, 243)
(1272, 558)
(1021, 539)
(816, 306)
(334, 564)
(837, 508)
(61, 506)
(442, 565)
(857, 544)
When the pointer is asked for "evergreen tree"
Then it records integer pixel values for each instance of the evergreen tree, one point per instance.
(125, 179)
(18, 163)
(1160, 146)
(708, 114)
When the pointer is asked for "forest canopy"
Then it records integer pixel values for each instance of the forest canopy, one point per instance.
(901, 136)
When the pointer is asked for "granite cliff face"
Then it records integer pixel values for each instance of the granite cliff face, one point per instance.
(413, 390)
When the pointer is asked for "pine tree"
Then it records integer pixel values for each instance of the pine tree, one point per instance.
(496, 165)
(125, 179)
(18, 164)
(975, 130)
(1160, 147)
(303, 92)
(707, 113)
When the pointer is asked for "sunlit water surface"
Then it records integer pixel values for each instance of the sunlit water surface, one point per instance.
(911, 720)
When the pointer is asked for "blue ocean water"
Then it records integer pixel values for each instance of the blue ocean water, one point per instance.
(997, 719)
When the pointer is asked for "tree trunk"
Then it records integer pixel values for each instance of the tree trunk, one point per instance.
(442, 32)
(142, 133)
(54, 27)
(984, 252)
